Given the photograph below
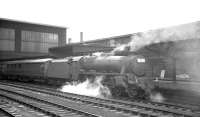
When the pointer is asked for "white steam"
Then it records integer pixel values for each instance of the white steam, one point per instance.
(120, 48)
(176, 33)
(99, 54)
(157, 97)
(88, 88)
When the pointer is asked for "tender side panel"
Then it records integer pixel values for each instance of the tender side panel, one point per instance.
(58, 70)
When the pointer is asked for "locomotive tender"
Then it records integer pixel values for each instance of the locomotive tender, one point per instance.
(122, 74)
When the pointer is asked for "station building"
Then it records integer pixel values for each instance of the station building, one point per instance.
(23, 39)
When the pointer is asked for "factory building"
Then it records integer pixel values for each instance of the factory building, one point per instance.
(77, 50)
(88, 47)
(23, 39)
(112, 41)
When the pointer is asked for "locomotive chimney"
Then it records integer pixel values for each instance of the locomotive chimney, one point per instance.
(69, 40)
(81, 37)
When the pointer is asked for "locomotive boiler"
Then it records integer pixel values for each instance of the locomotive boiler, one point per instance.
(115, 64)
(121, 74)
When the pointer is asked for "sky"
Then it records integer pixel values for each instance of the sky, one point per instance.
(102, 18)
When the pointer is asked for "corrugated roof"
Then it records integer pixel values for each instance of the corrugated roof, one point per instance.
(26, 22)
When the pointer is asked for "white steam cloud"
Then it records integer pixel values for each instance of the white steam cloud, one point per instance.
(176, 33)
(88, 88)
(157, 97)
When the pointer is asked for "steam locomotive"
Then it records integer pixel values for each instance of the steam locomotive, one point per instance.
(122, 74)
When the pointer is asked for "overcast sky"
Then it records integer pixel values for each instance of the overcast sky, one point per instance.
(102, 18)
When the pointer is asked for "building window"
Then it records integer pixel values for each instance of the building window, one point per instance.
(7, 39)
(38, 41)
(112, 43)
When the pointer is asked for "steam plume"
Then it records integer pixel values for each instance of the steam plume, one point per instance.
(89, 88)
(157, 97)
(176, 33)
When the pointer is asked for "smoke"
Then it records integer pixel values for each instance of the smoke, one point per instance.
(88, 88)
(176, 33)
(120, 48)
(100, 54)
(97, 54)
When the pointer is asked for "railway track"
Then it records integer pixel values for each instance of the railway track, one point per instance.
(123, 100)
(4, 113)
(12, 108)
(120, 108)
